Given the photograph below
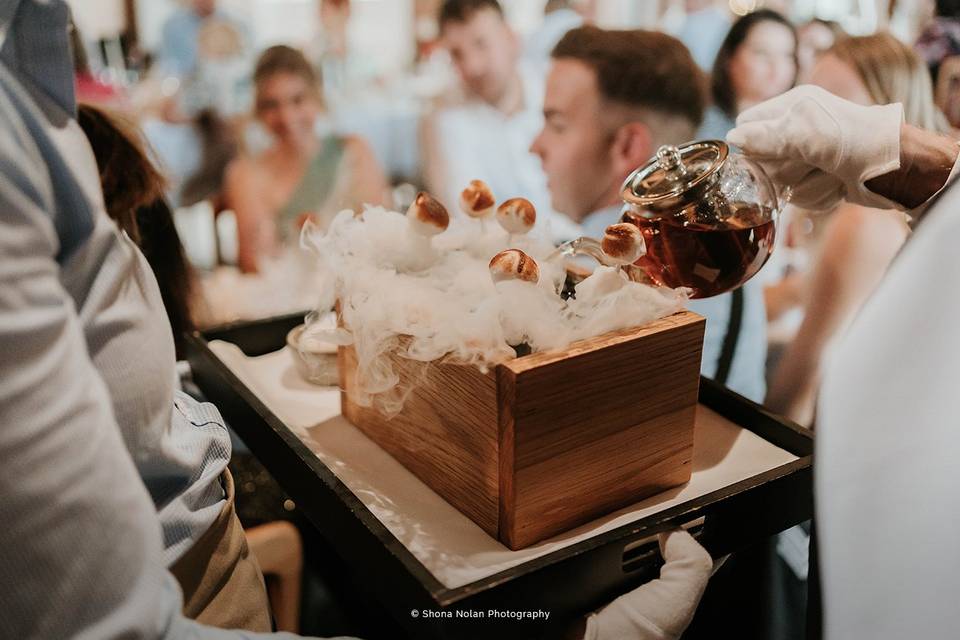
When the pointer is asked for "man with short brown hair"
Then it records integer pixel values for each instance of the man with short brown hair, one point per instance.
(485, 132)
(612, 98)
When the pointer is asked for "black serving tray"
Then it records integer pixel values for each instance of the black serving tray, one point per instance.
(568, 582)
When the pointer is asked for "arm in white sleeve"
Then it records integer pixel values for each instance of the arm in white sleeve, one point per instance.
(827, 149)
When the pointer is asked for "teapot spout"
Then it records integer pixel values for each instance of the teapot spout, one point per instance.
(583, 247)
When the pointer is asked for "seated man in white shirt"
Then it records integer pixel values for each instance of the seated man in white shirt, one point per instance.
(179, 50)
(485, 133)
(612, 98)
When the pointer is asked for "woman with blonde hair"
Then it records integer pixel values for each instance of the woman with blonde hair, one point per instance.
(301, 175)
(857, 244)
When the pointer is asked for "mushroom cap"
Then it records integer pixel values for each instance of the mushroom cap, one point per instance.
(514, 264)
(477, 199)
(517, 215)
(427, 216)
(623, 242)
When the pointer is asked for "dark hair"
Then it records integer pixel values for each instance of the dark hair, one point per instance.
(463, 10)
(218, 147)
(133, 195)
(639, 69)
(128, 178)
(721, 84)
(948, 8)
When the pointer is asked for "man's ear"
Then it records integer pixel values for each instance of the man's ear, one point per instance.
(632, 147)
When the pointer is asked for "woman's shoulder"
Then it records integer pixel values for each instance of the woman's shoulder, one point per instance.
(243, 168)
(245, 175)
(854, 222)
(358, 150)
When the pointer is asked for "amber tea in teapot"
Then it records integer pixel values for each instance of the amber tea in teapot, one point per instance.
(709, 259)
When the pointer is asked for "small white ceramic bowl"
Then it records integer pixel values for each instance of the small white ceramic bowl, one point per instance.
(316, 361)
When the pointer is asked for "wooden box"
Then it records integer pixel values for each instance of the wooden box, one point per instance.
(548, 441)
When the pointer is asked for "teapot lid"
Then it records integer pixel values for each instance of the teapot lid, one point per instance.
(676, 176)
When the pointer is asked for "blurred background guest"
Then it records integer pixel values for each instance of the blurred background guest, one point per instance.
(344, 69)
(300, 176)
(940, 38)
(939, 46)
(612, 98)
(179, 46)
(814, 38)
(857, 243)
(485, 132)
(703, 29)
(757, 61)
(203, 78)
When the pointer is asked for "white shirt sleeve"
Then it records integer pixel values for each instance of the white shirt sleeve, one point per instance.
(888, 442)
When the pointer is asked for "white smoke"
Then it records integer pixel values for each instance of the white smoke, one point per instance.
(432, 300)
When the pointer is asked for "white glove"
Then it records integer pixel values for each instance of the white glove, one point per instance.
(822, 146)
(660, 609)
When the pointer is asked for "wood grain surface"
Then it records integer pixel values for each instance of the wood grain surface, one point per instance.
(551, 440)
(446, 433)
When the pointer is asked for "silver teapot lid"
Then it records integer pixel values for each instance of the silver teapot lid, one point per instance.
(676, 177)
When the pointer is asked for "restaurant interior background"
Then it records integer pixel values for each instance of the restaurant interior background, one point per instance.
(383, 73)
(381, 83)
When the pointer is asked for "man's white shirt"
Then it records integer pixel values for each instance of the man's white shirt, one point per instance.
(475, 141)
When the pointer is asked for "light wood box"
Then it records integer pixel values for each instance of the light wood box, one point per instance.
(546, 442)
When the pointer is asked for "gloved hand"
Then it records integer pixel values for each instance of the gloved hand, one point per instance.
(660, 609)
(822, 146)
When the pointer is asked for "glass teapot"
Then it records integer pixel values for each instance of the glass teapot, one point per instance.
(708, 217)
